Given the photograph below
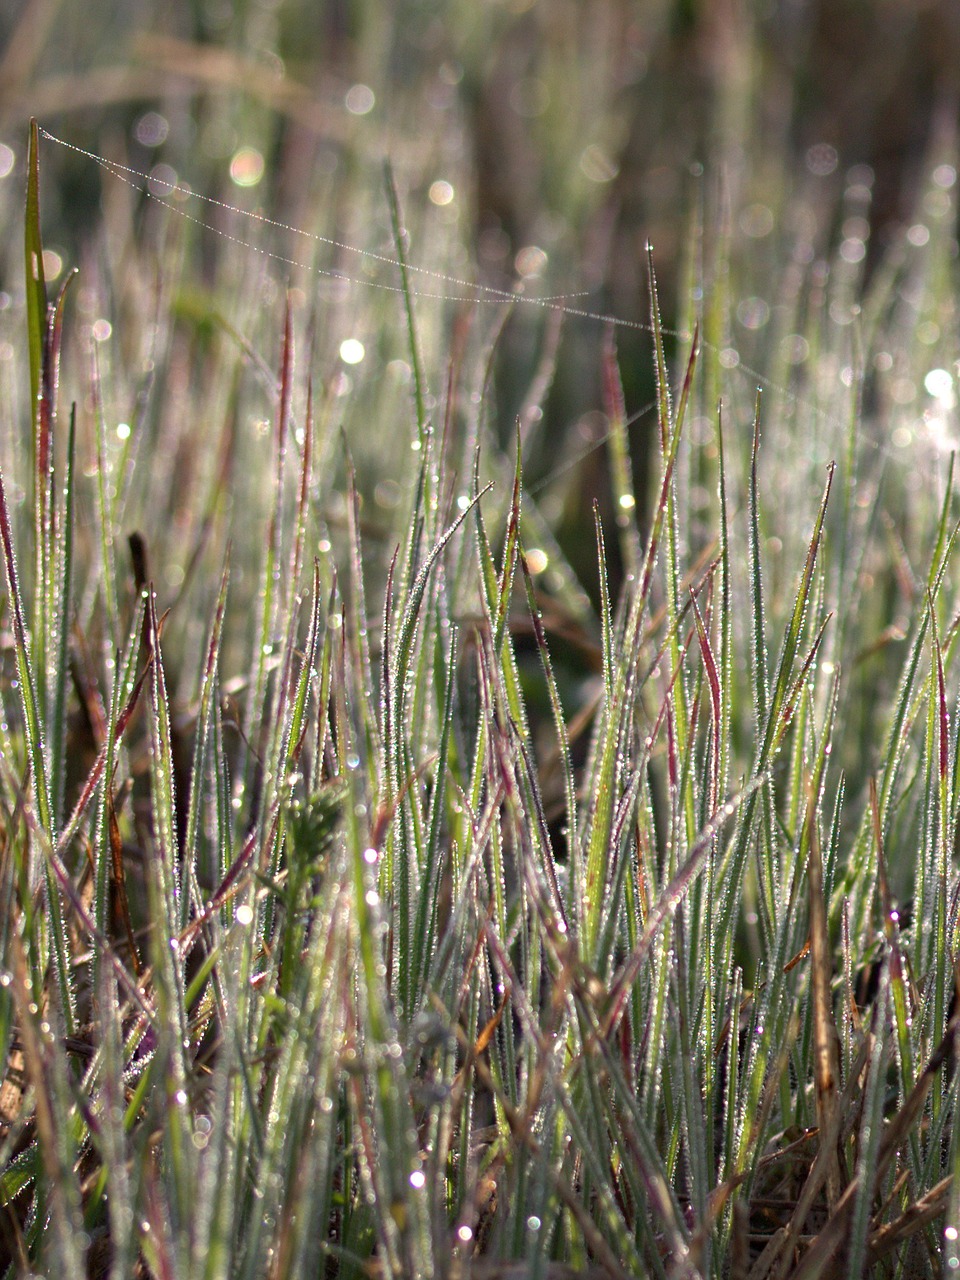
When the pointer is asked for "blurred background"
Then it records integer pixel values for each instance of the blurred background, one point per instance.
(553, 138)
(558, 136)
(576, 128)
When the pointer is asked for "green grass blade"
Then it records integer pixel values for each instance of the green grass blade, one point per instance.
(618, 443)
(61, 664)
(36, 290)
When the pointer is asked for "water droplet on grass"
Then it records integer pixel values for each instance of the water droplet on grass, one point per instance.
(52, 264)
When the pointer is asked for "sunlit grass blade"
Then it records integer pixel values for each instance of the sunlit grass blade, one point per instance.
(124, 698)
(59, 683)
(209, 680)
(619, 447)
(758, 641)
(104, 510)
(165, 889)
(425, 920)
(572, 836)
(36, 291)
(359, 633)
(49, 617)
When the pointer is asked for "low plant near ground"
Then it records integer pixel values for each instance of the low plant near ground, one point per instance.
(346, 931)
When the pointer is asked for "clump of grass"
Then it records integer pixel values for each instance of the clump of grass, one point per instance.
(340, 939)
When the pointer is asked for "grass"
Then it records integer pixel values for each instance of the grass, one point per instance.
(380, 899)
